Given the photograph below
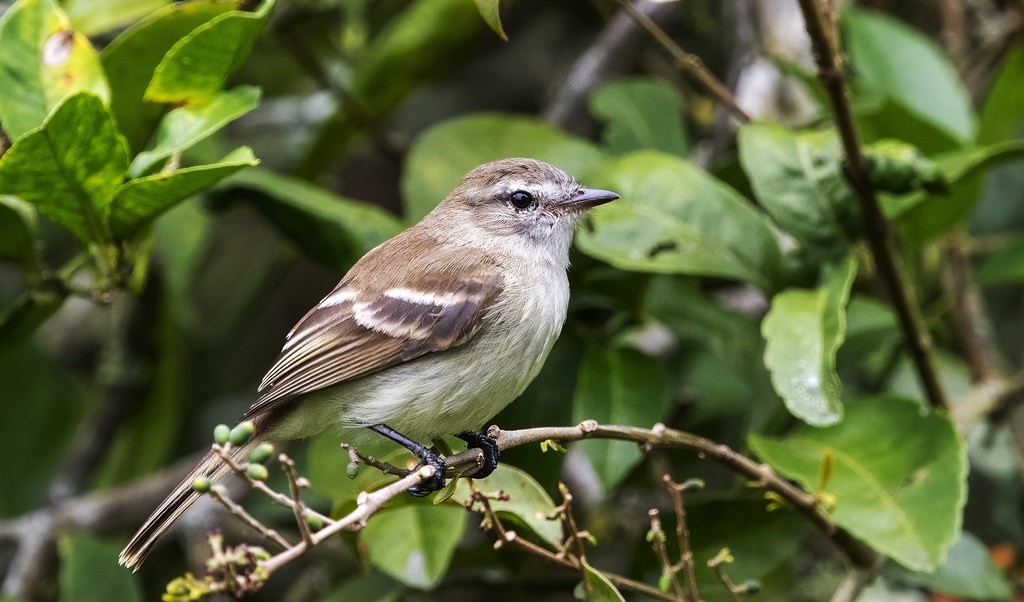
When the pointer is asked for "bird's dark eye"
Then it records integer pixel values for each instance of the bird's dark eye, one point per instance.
(521, 199)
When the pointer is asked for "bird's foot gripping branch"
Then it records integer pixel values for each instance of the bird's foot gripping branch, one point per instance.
(543, 529)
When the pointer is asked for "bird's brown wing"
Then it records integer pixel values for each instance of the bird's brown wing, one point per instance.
(391, 313)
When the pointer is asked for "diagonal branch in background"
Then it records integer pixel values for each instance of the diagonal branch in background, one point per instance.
(879, 232)
(686, 62)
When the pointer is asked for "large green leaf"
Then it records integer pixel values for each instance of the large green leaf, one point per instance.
(17, 229)
(70, 167)
(139, 201)
(414, 543)
(93, 17)
(43, 62)
(328, 228)
(372, 587)
(527, 503)
(674, 218)
(898, 476)
(883, 118)
(185, 126)
(640, 113)
(442, 155)
(804, 330)
(798, 179)
(133, 56)
(968, 573)
(199, 64)
(88, 572)
(618, 386)
(903, 64)
(1003, 112)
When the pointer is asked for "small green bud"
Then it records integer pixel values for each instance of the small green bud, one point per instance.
(201, 484)
(257, 472)
(751, 586)
(262, 453)
(241, 433)
(664, 582)
(314, 522)
(221, 433)
(352, 470)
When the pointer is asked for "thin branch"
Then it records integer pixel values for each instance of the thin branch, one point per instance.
(235, 508)
(880, 237)
(853, 584)
(687, 62)
(722, 558)
(295, 485)
(683, 534)
(657, 537)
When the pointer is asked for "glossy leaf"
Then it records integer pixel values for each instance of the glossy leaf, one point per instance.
(898, 479)
(70, 167)
(908, 67)
(87, 573)
(442, 155)
(674, 218)
(797, 177)
(414, 543)
(43, 62)
(133, 56)
(185, 126)
(618, 386)
(528, 504)
(804, 330)
(1002, 114)
(197, 66)
(93, 17)
(17, 229)
(139, 201)
(489, 11)
(328, 228)
(597, 587)
(640, 113)
(968, 573)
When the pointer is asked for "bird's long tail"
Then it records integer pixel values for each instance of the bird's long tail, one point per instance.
(175, 504)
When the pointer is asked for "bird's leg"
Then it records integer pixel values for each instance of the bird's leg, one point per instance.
(432, 484)
(488, 445)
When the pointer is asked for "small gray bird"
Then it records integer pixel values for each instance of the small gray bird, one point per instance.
(431, 333)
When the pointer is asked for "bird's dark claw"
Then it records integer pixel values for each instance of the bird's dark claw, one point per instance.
(488, 445)
(436, 481)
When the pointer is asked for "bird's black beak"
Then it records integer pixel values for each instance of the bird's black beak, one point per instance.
(589, 197)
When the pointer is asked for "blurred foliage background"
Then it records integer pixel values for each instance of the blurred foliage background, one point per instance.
(180, 182)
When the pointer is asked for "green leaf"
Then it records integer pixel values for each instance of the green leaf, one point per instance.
(1002, 267)
(640, 113)
(921, 216)
(899, 476)
(17, 229)
(489, 11)
(372, 587)
(199, 64)
(70, 167)
(798, 179)
(88, 572)
(1002, 114)
(29, 311)
(879, 118)
(528, 504)
(185, 126)
(442, 155)
(414, 543)
(968, 573)
(42, 63)
(618, 386)
(139, 201)
(133, 56)
(597, 587)
(328, 228)
(93, 17)
(674, 218)
(804, 330)
(906, 66)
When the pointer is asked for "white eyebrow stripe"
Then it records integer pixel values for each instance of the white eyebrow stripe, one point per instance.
(421, 298)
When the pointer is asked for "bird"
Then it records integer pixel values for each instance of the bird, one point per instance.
(431, 333)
